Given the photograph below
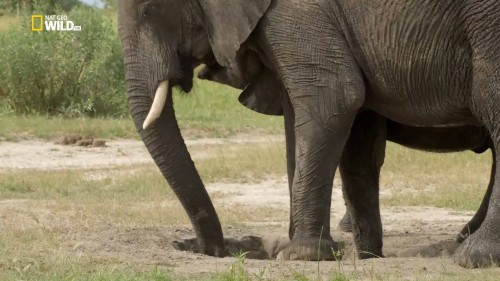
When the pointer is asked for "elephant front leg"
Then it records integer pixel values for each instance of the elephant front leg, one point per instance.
(359, 168)
(290, 154)
(321, 131)
(326, 90)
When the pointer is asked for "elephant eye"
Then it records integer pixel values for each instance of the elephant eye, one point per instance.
(145, 10)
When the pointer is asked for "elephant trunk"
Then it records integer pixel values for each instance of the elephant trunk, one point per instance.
(164, 142)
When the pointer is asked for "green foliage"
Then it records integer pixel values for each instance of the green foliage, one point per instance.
(49, 6)
(110, 4)
(63, 73)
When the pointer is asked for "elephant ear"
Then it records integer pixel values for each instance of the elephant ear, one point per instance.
(263, 95)
(230, 23)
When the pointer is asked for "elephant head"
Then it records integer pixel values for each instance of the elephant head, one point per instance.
(163, 41)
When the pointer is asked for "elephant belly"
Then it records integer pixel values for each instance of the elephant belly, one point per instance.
(421, 115)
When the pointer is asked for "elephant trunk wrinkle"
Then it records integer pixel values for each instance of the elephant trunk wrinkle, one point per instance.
(164, 142)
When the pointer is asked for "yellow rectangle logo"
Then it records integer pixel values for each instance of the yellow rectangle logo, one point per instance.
(36, 19)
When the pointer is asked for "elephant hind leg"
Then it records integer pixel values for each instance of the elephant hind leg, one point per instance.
(345, 223)
(359, 167)
(479, 216)
(482, 248)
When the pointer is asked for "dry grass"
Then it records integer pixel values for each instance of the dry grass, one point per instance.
(139, 196)
(41, 210)
(244, 163)
(42, 213)
(453, 180)
(7, 22)
(17, 128)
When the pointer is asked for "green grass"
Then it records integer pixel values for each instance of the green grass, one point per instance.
(211, 110)
(88, 186)
(70, 270)
(215, 108)
(453, 180)
(48, 128)
(67, 270)
(244, 163)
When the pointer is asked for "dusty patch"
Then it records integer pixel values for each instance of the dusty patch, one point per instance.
(41, 155)
(409, 232)
(80, 140)
(50, 156)
(417, 242)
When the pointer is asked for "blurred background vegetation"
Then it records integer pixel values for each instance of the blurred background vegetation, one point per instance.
(72, 74)
(49, 76)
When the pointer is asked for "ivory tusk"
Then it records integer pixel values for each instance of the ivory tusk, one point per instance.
(158, 104)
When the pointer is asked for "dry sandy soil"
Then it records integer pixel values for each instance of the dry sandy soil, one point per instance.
(409, 231)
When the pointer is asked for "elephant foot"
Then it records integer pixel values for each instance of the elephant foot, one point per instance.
(345, 223)
(481, 249)
(253, 247)
(370, 254)
(260, 248)
(311, 249)
(464, 234)
(469, 229)
(192, 245)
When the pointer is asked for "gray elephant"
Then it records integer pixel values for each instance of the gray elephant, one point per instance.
(440, 140)
(252, 76)
(419, 63)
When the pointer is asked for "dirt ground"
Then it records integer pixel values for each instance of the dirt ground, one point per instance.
(417, 240)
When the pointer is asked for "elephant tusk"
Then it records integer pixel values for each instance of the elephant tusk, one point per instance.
(158, 104)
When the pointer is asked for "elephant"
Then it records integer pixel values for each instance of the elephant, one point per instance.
(418, 63)
(247, 70)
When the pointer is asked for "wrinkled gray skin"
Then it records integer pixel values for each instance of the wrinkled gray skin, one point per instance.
(420, 63)
(247, 71)
(427, 139)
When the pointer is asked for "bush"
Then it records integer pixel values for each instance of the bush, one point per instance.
(63, 73)
(48, 6)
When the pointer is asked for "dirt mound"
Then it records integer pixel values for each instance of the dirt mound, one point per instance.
(79, 140)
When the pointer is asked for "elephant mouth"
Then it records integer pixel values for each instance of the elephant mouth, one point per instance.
(185, 83)
(186, 67)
